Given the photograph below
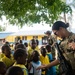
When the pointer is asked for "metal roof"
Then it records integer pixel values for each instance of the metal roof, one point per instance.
(4, 34)
(31, 32)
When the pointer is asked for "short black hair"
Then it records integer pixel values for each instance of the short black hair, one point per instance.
(43, 49)
(48, 46)
(19, 53)
(48, 32)
(59, 24)
(26, 44)
(5, 46)
(20, 46)
(14, 70)
(7, 43)
(36, 53)
(33, 41)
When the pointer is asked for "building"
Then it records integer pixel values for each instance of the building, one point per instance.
(3, 36)
(26, 36)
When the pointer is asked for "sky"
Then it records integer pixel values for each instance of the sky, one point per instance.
(35, 27)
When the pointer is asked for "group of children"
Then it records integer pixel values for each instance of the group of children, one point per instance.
(25, 62)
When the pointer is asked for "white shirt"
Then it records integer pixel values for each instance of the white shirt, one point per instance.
(34, 67)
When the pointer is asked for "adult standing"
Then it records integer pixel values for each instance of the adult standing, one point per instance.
(50, 41)
(59, 28)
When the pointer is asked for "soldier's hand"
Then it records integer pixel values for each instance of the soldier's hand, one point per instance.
(72, 45)
(41, 67)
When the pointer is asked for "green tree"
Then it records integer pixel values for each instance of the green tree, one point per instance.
(22, 12)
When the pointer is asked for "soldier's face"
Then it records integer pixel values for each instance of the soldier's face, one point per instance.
(59, 33)
(56, 32)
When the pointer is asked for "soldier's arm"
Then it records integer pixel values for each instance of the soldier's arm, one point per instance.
(72, 42)
(55, 62)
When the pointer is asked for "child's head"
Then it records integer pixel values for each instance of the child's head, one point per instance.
(43, 51)
(14, 70)
(20, 46)
(33, 43)
(16, 45)
(7, 43)
(20, 56)
(26, 44)
(48, 48)
(35, 56)
(6, 50)
(2, 68)
(20, 41)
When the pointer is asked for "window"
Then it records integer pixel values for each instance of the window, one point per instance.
(35, 37)
(44, 40)
(24, 37)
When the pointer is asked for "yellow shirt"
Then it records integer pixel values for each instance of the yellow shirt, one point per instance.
(31, 50)
(1, 55)
(23, 68)
(44, 61)
(8, 61)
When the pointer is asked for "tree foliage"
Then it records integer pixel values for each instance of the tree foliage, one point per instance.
(21, 12)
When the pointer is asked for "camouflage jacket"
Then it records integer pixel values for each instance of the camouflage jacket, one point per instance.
(68, 53)
(51, 40)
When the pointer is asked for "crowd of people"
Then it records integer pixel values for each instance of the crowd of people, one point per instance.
(32, 60)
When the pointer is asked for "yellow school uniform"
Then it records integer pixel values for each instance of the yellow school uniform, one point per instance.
(8, 61)
(31, 50)
(44, 60)
(23, 68)
(1, 55)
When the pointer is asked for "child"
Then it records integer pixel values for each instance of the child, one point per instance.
(20, 56)
(2, 51)
(2, 68)
(48, 48)
(8, 58)
(14, 70)
(20, 45)
(26, 45)
(33, 46)
(1, 54)
(34, 64)
(52, 69)
(44, 59)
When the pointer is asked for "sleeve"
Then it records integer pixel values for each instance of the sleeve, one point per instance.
(51, 58)
(25, 71)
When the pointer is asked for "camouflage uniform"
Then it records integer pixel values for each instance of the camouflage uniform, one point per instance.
(68, 53)
(51, 41)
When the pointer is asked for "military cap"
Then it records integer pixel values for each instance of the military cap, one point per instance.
(47, 32)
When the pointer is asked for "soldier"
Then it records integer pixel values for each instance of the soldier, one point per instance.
(59, 28)
(51, 40)
(49, 37)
